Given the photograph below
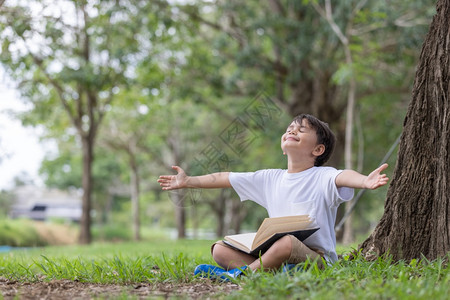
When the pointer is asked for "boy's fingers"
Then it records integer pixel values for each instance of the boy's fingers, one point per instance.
(178, 169)
(383, 167)
(165, 181)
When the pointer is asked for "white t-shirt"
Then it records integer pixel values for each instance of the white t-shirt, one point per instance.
(311, 192)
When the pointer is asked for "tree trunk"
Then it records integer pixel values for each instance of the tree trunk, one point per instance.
(178, 196)
(180, 212)
(417, 209)
(238, 213)
(134, 185)
(219, 208)
(349, 236)
(195, 222)
(88, 158)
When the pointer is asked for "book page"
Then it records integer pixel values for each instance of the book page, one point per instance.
(271, 226)
(281, 220)
(243, 241)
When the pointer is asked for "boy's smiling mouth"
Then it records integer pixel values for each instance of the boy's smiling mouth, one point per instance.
(292, 138)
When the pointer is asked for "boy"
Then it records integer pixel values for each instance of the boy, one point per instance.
(306, 187)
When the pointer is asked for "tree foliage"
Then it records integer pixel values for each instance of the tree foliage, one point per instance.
(167, 80)
(70, 60)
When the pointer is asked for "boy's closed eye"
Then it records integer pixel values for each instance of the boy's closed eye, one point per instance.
(301, 129)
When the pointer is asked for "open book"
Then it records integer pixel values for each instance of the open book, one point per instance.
(270, 231)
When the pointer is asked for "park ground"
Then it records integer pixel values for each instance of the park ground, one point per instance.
(159, 268)
(68, 289)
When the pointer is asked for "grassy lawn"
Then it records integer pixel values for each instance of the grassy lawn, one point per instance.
(107, 263)
(163, 261)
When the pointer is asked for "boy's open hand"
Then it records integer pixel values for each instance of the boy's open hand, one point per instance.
(172, 182)
(375, 179)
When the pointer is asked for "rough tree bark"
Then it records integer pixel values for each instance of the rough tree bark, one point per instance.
(417, 210)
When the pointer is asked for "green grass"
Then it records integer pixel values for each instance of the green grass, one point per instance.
(174, 261)
(107, 263)
(19, 233)
(356, 279)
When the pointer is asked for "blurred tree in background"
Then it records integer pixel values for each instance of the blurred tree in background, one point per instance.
(70, 59)
(169, 81)
(6, 200)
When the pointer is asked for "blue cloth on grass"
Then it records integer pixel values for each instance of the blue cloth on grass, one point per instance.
(214, 272)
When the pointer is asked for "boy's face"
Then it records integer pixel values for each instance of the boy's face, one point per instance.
(301, 139)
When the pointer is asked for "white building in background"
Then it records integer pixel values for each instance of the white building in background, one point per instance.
(42, 204)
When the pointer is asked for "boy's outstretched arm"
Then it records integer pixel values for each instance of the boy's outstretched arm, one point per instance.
(181, 180)
(353, 179)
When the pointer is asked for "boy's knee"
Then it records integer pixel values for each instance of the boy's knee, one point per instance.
(283, 247)
(214, 249)
(219, 252)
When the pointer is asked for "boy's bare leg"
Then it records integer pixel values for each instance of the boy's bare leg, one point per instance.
(277, 254)
(229, 258)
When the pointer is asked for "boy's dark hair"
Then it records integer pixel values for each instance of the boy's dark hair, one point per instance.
(324, 136)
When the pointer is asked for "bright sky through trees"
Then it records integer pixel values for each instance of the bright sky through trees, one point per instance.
(20, 150)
